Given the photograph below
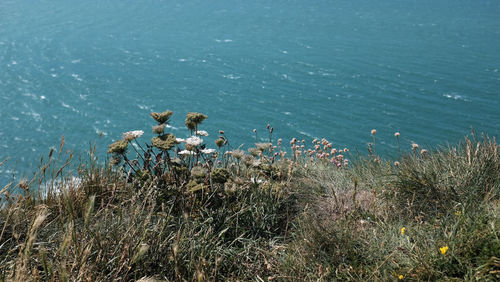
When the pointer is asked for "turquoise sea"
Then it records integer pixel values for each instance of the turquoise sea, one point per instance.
(429, 69)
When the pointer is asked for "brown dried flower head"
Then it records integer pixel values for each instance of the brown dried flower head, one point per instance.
(238, 154)
(193, 119)
(118, 147)
(162, 117)
(164, 142)
(159, 129)
(263, 146)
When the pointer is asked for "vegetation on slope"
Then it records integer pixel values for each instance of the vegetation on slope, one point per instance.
(178, 210)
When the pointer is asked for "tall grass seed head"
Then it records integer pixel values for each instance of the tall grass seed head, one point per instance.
(162, 117)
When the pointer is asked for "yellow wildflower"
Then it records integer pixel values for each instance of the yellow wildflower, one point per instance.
(400, 277)
(403, 230)
(444, 250)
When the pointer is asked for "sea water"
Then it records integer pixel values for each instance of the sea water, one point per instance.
(429, 69)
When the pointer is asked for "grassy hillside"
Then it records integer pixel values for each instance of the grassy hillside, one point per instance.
(171, 209)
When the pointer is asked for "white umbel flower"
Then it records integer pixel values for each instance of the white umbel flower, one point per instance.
(186, 152)
(201, 133)
(208, 151)
(131, 135)
(194, 141)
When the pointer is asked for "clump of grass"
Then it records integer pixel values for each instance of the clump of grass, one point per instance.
(461, 176)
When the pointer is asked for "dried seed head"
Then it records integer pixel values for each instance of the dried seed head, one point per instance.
(254, 151)
(193, 119)
(263, 146)
(164, 142)
(118, 147)
(159, 129)
(161, 117)
(238, 154)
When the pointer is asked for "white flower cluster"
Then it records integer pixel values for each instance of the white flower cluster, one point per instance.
(201, 133)
(186, 152)
(208, 151)
(131, 135)
(194, 141)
